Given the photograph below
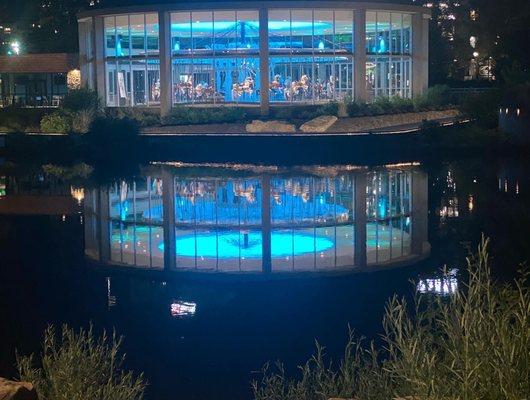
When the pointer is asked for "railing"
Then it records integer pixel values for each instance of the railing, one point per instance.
(31, 101)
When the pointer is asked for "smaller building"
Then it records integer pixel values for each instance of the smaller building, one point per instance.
(37, 80)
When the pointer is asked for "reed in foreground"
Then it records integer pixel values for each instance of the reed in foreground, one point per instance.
(473, 344)
(80, 367)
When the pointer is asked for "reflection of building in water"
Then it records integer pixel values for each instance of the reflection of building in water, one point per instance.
(449, 200)
(183, 309)
(444, 285)
(260, 222)
(2, 186)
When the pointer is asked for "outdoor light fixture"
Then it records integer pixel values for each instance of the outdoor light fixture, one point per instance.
(14, 48)
(475, 54)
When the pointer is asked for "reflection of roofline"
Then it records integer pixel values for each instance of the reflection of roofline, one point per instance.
(214, 170)
(252, 5)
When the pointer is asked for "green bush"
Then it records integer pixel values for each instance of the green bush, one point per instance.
(81, 120)
(78, 367)
(81, 100)
(434, 98)
(306, 112)
(143, 117)
(381, 106)
(56, 123)
(182, 115)
(470, 345)
(13, 119)
(483, 107)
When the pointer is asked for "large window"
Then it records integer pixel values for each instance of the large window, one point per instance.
(132, 60)
(32, 89)
(388, 45)
(311, 55)
(388, 76)
(215, 56)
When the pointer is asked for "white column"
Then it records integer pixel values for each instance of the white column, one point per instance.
(360, 220)
(420, 53)
(420, 205)
(359, 68)
(264, 60)
(164, 21)
(168, 201)
(104, 224)
(99, 54)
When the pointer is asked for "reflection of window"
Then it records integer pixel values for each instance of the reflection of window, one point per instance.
(211, 56)
(311, 55)
(388, 201)
(132, 65)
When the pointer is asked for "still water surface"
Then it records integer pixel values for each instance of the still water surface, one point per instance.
(205, 333)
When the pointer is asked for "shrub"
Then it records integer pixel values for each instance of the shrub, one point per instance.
(13, 119)
(471, 345)
(143, 117)
(402, 105)
(182, 115)
(307, 112)
(55, 123)
(381, 106)
(81, 120)
(435, 97)
(77, 367)
(482, 107)
(83, 99)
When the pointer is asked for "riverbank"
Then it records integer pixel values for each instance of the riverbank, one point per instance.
(341, 125)
(421, 143)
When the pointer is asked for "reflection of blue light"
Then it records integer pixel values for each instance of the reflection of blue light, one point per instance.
(321, 45)
(176, 46)
(124, 210)
(230, 245)
(208, 26)
(382, 46)
(119, 50)
(382, 207)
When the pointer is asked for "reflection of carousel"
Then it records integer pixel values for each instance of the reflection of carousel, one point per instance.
(262, 223)
(203, 204)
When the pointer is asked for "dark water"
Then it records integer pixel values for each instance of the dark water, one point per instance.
(239, 323)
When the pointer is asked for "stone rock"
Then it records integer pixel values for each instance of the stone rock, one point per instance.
(10, 390)
(319, 124)
(257, 126)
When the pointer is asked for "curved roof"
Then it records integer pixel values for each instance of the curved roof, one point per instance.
(134, 6)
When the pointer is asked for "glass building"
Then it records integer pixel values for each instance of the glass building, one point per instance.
(326, 219)
(261, 53)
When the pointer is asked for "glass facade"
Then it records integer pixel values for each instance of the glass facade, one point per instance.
(221, 223)
(32, 90)
(132, 73)
(135, 222)
(311, 55)
(215, 56)
(388, 46)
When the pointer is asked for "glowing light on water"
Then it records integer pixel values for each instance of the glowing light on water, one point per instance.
(446, 285)
(232, 245)
(183, 309)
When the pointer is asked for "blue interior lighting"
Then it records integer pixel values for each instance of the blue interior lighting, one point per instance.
(232, 245)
